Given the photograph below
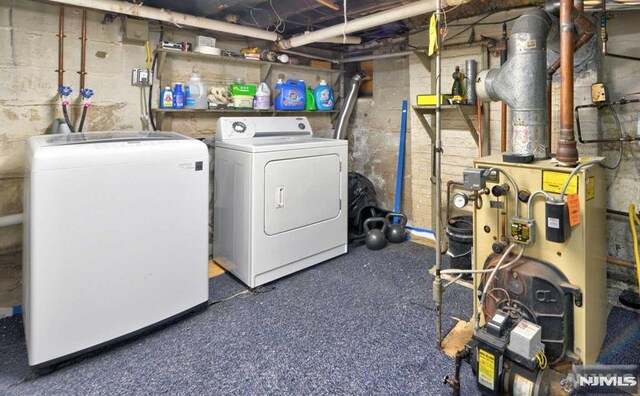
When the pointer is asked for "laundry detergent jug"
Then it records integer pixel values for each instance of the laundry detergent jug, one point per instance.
(196, 93)
(324, 96)
(291, 95)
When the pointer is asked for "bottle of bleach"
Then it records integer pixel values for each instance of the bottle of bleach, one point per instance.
(263, 97)
(324, 96)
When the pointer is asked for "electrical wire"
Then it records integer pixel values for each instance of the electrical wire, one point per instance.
(153, 66)
(572, 174)
(535, 194)
(280, 26)
(472, 25)
(617, 121)
(633, 220)
(344, 26)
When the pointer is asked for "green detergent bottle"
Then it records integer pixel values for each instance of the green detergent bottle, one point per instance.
(311, 100)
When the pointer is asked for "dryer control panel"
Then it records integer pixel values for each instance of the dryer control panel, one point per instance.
(229, 128)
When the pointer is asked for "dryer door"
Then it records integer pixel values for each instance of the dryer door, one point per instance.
(300, 192)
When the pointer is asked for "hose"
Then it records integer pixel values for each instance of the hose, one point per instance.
(153, 67)
(633, 220)
(84, 115)
(66, 118)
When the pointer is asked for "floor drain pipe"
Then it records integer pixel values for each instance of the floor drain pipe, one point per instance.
(437, 283)
(347, 107)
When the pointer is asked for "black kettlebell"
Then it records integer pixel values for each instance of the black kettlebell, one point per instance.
(375, 238)
(396, 231)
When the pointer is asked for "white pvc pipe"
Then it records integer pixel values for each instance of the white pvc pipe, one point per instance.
(175, 18)
(367, 22)
(377, 56)
(341, 40)
(11, 220)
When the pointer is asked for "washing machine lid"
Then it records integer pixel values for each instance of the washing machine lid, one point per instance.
(283, 143)
(83, 150)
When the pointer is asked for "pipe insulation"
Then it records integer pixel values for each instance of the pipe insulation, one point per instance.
(347, 107)
(11, 220)
(521, 83)
(367, 22)
(175, 18)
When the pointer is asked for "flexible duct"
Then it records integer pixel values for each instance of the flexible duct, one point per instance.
(520, 82)
(347, 107)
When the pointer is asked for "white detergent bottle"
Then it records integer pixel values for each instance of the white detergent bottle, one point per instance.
(263, 97)
(196, 93)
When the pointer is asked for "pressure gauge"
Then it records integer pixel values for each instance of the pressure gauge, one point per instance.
(460, 200)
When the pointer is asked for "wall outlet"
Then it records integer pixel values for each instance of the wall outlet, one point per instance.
(141, 77)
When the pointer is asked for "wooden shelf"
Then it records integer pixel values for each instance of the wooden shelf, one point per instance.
(236, 111)
(228, 59)
(464, 111)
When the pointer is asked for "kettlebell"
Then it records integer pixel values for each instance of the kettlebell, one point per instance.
(375, 238)
(396, 231)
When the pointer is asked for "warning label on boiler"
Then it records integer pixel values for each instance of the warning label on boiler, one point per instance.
(554, 181)
(486, 368)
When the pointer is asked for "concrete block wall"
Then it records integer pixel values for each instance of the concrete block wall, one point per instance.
(374, 133)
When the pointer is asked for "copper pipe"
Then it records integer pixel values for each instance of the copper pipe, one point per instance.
(567, 153)
(60, 70)
(588, 30)
(579, 4)
(620, 263)
(503, 107)
(479, 121)
(83, 50)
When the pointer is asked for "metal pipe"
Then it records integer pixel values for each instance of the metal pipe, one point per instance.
(347, 107)
(369, 21)
(437, 148)
(588, 31)
(503, 107)
(83, 50)
(620, 262)
(60, 70)
(471, 71)
(567, 153)
(310, 56)
(377, 56)
(174, 18)
(11, 220)
(520, 82)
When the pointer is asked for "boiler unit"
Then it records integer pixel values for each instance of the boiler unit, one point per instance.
(115, 237)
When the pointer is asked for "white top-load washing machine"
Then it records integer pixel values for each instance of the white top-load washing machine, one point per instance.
(115, 237)
(280, 197)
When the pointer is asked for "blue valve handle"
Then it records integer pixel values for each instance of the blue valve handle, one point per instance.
(86, 93)
(65, 90)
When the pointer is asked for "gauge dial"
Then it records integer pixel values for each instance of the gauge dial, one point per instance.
(460, 200)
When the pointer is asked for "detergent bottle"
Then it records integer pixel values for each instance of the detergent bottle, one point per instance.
(311, 100)
(291, 95)
(263, 97)
(324, 96)
(196, 93)
(166, 98)
(178, 96)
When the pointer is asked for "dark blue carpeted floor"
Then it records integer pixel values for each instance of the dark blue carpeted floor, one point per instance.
(362, 323)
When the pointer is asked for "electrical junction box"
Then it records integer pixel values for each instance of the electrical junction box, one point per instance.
(522, 230)
(558, 225)
(474, 179)
(141, 77)
(525, 339)
(136, 31)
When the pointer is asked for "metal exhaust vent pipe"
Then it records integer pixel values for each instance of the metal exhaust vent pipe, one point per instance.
(521, 83)
(347, 107)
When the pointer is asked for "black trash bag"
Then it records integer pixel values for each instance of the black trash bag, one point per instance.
(363, 204)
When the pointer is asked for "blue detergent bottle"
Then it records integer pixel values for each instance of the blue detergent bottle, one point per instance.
(324, 97)
(178, 97)
(290, 95)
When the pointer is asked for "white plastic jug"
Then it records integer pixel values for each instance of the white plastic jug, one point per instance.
(263, 97)
(196, 97)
